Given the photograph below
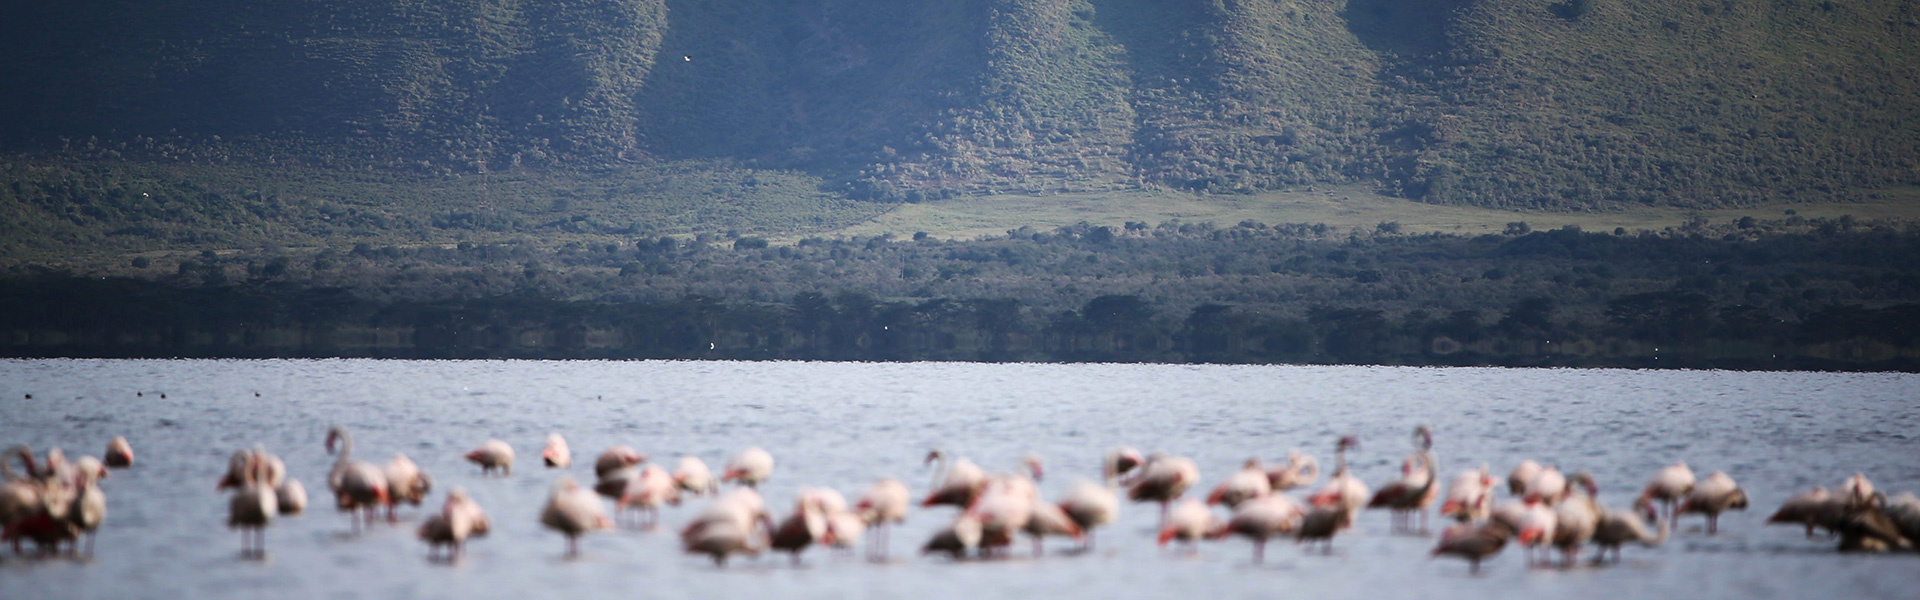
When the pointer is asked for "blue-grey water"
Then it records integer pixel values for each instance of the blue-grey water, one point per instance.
(845, 424)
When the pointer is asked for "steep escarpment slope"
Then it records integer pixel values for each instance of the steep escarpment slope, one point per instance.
(1580, 104)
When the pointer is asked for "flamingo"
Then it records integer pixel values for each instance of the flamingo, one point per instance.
(58, 471)
(883, 504)
(1575, 519)
(1669, 486)
(721, 539)
(1050, 519)
(252, 508)
(1475, 543)
(963, 535)
(1092, 505)
(1342, 488)
(405, 483)
(240, 465)
(292, 496)
(556, 455)
(743, 506)
(89, 506)
(45, 520)
(956, 484)
(1262, 518)
(1005, 505)
(750, 467)
(573, 511)
(1857, 490)
(614, 470)
(1618, 527)
(33, 506)
(1868, 528)
(1187, 522)
(1246, 484)
(1321, 524)
(727, 526)
(844, 529)
(1522, 475)
(1809, 508)
(1532, 522)
(1549, 487)
(1163, 479)
(694, 477)
(615, 459)
(119, 453)
(494, 454)
(1904, 509)
(1415, 488)
(1300, 471)
(457, 520)
(20, 496)
(1469, 496)
(1711, 496)
(356, 485)
(806, 525)
(90, 466)
(650, 488)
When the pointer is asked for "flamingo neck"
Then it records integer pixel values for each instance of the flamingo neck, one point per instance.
(940, 468)
(6, 469)
(346, 449)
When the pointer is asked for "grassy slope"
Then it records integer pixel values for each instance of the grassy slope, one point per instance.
(1697, 103)
(1341, 207)
(87, 210)
(432, 122)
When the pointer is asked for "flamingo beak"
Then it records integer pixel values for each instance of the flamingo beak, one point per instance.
(1528, 535)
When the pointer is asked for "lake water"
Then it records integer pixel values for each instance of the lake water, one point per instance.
(845, 424)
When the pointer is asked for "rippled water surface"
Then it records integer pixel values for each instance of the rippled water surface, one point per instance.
(843, 425)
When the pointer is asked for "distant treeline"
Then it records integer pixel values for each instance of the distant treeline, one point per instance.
(77, 317)
(1786, 294)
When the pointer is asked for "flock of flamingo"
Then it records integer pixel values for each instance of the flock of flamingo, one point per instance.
(57, 502)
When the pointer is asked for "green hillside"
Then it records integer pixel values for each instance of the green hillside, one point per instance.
(279, 122)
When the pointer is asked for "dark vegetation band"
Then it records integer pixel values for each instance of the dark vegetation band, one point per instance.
(1788, 293)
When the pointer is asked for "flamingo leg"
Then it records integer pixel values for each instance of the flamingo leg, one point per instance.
(1259, 551)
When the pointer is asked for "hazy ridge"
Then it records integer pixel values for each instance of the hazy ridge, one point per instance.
(1525, 103)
